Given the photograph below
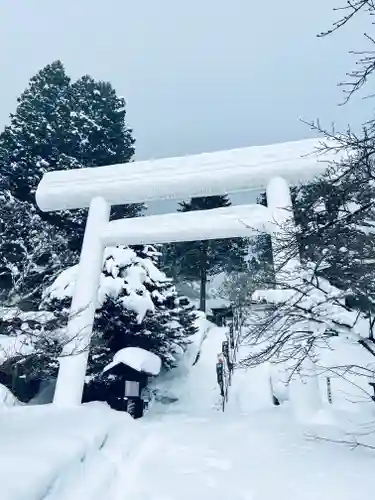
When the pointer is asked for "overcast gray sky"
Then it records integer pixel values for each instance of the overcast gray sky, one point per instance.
(198, 75)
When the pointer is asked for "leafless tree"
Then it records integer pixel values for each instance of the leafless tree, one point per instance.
(365, 59)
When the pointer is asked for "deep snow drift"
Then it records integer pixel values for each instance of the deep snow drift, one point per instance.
(49, 453)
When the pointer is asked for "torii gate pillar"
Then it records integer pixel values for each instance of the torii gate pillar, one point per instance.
(279, 202)
(73, 361)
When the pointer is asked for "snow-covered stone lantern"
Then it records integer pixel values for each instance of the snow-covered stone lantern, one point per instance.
(131, 369)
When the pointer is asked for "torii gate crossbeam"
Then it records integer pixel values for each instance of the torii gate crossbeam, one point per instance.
(207, 174)
(272, 167)
(222, 223)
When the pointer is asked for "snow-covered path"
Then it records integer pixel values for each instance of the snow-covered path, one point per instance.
(259, 457)
(192, 451)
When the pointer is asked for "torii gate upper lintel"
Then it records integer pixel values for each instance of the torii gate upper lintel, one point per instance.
(272, 168)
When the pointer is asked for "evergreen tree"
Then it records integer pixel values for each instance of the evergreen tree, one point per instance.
(334, 221)
(99, 117)
(37, 135)
(31, 253)
(138, 307)
(30, 355)
(99, 121)
(198, 259)
(57, 126)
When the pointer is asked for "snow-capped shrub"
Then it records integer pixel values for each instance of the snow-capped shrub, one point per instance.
(138, 306)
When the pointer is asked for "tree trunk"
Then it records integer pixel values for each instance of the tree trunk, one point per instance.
(203, 273)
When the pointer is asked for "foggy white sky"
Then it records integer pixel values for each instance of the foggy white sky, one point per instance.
(198, 75)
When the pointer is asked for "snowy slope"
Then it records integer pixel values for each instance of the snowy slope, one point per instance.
(199, 392)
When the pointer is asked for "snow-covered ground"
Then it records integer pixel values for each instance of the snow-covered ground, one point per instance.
(188, 449)
(261, 456)
(49, 453)
(7, 399)
(252, 451)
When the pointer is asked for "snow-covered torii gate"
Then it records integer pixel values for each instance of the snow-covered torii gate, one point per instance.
(272, 168)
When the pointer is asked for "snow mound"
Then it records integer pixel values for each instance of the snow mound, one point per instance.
(193, 349)
(62, 454)
(350, 368)
(138, 359)
(7, 398)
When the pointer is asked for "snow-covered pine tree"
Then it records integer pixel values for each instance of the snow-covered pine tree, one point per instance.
(30, 344)
(38, 131)
(59, 126)
(99, 117)
(334, 216)
(31, 253)
(138, 306)
(104, 137)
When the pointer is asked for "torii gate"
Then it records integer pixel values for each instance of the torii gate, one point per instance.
(265, 167)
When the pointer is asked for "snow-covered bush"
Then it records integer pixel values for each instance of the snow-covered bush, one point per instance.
(32, 252)
(138, 306)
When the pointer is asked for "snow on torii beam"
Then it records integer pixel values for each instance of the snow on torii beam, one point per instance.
(225, 222)
(198, 175)
(271, 167)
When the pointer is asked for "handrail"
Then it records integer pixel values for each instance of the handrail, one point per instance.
(226, 360)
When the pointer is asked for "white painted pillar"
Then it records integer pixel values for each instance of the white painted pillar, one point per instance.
(73, 362)
(279, 202)
(304, 390)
